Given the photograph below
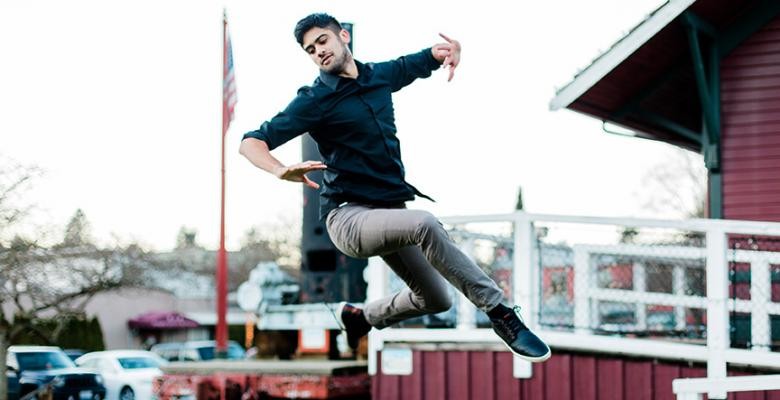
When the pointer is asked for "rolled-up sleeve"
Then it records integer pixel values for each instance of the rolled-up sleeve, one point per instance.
(301, 116)
(404, 70)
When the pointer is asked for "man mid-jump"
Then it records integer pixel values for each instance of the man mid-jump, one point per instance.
(348, 111)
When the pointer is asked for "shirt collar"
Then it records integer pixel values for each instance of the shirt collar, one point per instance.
(332, 81)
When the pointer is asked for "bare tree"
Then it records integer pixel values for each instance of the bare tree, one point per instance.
(270, 242)
(38, 280)
(15, 180)
(677, 186)
(261, 244)
(283, 237)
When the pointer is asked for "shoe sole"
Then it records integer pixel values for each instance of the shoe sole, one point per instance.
(339, 310)
(528, 358)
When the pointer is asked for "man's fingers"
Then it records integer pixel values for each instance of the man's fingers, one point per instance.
(296, 173)
(309, 166)
(451, 53)
(310, 183)
(443, 52)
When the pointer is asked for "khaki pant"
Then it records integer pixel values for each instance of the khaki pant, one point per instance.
(416, 246)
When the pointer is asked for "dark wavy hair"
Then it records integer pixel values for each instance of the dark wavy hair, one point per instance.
(319, 20)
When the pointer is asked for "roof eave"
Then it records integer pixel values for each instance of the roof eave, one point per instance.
(619, 53)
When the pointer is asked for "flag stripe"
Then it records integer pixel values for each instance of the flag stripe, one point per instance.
(229, 93)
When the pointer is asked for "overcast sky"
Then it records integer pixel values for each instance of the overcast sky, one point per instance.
(120, 104)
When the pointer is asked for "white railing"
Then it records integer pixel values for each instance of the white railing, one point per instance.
(694, 388)
(712, 258)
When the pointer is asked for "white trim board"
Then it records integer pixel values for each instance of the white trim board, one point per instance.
(582, 342)
(730, 384)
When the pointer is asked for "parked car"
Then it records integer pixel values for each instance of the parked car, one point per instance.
(196, 350)
(73, 354)
(35, 366)
(128, 374)
(13, 383)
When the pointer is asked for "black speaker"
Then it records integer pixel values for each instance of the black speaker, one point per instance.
(327, 275)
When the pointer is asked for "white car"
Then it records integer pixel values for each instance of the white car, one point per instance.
(128, 374)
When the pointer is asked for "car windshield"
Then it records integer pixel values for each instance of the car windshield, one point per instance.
(43, 360)
(235, 352)
(138, 362)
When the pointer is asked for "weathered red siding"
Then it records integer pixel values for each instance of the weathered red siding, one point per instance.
(487, 375)
(750, 107)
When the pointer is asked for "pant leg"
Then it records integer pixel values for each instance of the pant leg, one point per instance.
(427, 291)
(362, 232)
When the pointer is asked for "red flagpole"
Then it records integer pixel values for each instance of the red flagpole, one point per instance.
(221, 333)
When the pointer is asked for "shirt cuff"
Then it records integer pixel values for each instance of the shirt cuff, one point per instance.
(257, 135)
(433, 63)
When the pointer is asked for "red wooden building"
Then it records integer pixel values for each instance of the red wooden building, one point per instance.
(704, 78)
(700, 74)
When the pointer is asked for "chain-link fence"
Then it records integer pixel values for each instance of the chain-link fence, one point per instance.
(607, 278)
(754, 291)
(622, 280)
(490, 246)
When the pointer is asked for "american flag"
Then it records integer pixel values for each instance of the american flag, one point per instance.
(229, 96)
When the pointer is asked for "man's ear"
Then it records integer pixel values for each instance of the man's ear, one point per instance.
(344, 35)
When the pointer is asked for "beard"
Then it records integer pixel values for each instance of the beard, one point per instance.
(338, 64)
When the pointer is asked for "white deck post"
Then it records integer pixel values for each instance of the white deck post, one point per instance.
(523, 283)
(522, 276)
(718, 340)
(467, 312)
(378, 281)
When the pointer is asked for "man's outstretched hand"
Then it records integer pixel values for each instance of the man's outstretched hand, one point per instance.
(297, 172)
(448, 54)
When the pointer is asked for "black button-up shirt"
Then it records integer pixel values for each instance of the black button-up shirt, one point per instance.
(353, 123)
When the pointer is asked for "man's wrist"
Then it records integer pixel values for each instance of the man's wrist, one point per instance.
(433, 55)
(433, 63)
(278, 171)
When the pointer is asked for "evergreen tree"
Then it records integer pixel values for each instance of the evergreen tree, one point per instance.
(78, 231)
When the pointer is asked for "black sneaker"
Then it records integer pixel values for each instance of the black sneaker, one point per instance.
(520, 340)
(353, 322)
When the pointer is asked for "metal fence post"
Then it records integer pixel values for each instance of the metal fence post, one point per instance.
(678, 284)
(582, 306)
(760, 297)
(718, 340)
(640, 286)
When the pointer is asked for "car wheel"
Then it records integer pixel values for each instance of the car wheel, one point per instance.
(126, 394)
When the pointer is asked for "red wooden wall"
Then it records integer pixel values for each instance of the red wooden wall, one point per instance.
(750, 111)
(487, 375)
